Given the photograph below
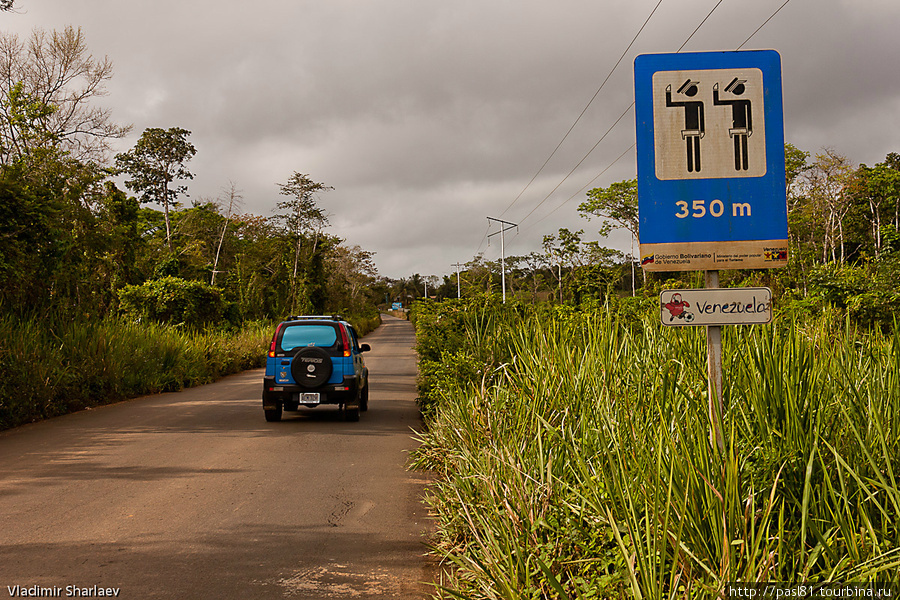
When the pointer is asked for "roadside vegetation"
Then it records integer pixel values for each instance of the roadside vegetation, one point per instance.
(574, 461)
(54, 367)
(569, 429)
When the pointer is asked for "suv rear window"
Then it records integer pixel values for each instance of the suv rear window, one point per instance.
(297, 336)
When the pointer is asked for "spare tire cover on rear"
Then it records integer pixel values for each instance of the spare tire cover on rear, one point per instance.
(311, 367)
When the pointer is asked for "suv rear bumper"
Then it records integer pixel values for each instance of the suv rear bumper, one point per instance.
(278, 394)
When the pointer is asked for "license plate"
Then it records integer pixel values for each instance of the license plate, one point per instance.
(309, 398)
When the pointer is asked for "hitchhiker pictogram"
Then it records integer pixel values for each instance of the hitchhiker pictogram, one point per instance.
(709, 124)
(741, 120)
(694, 125)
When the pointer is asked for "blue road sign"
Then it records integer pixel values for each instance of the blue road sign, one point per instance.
(710, 150)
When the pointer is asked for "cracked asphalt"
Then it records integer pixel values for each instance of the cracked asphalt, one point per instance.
(194, 495)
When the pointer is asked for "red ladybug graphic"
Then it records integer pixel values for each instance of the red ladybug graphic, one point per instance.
(676, 307)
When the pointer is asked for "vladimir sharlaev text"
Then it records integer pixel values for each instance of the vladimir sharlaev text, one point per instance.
(69, 591)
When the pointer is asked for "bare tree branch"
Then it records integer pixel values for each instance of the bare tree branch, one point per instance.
(56, 79)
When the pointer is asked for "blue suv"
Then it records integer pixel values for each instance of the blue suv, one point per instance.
(315, 360)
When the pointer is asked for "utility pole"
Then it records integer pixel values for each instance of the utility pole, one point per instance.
(504, 226)
(458, 288)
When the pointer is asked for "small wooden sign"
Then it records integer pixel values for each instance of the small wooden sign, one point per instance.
(716, 306)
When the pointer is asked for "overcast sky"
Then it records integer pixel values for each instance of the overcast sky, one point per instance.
(427, 117)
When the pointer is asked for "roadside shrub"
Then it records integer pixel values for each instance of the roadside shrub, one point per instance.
(866, 293)
(174, 301)
(365, 324)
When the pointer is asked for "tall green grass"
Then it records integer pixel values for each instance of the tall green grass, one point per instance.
(574, 458)
(52, 367)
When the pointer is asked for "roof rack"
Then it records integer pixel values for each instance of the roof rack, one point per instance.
(314, 318)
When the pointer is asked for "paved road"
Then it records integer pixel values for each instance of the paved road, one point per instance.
(195, 495)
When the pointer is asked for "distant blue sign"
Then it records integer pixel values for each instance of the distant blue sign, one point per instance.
(710, 157)
(397, 306)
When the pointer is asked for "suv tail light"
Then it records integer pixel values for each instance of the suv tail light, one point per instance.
(345, 340)
(274, 340)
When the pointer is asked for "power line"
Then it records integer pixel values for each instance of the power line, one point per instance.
(594, 147)
(483, 239)
(680, 48)
(547, 197)
(618, 62)
(588, 184)
(764, 24)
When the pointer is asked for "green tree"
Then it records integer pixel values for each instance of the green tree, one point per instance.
(119, 222)
(476, 277)
(798, 217)
(154, 164)
(257, 279)
(23, 133)
(795, 162)
(28, 242)
(878, 188)
(51, 236)
(232, 200)
(564, 251)
(196, 232)
(617, 205)
(535, 264)
(826, 180)
(304, 220)
(351, 272)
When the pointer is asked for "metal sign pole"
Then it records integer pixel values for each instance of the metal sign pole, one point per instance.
(714, 367)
